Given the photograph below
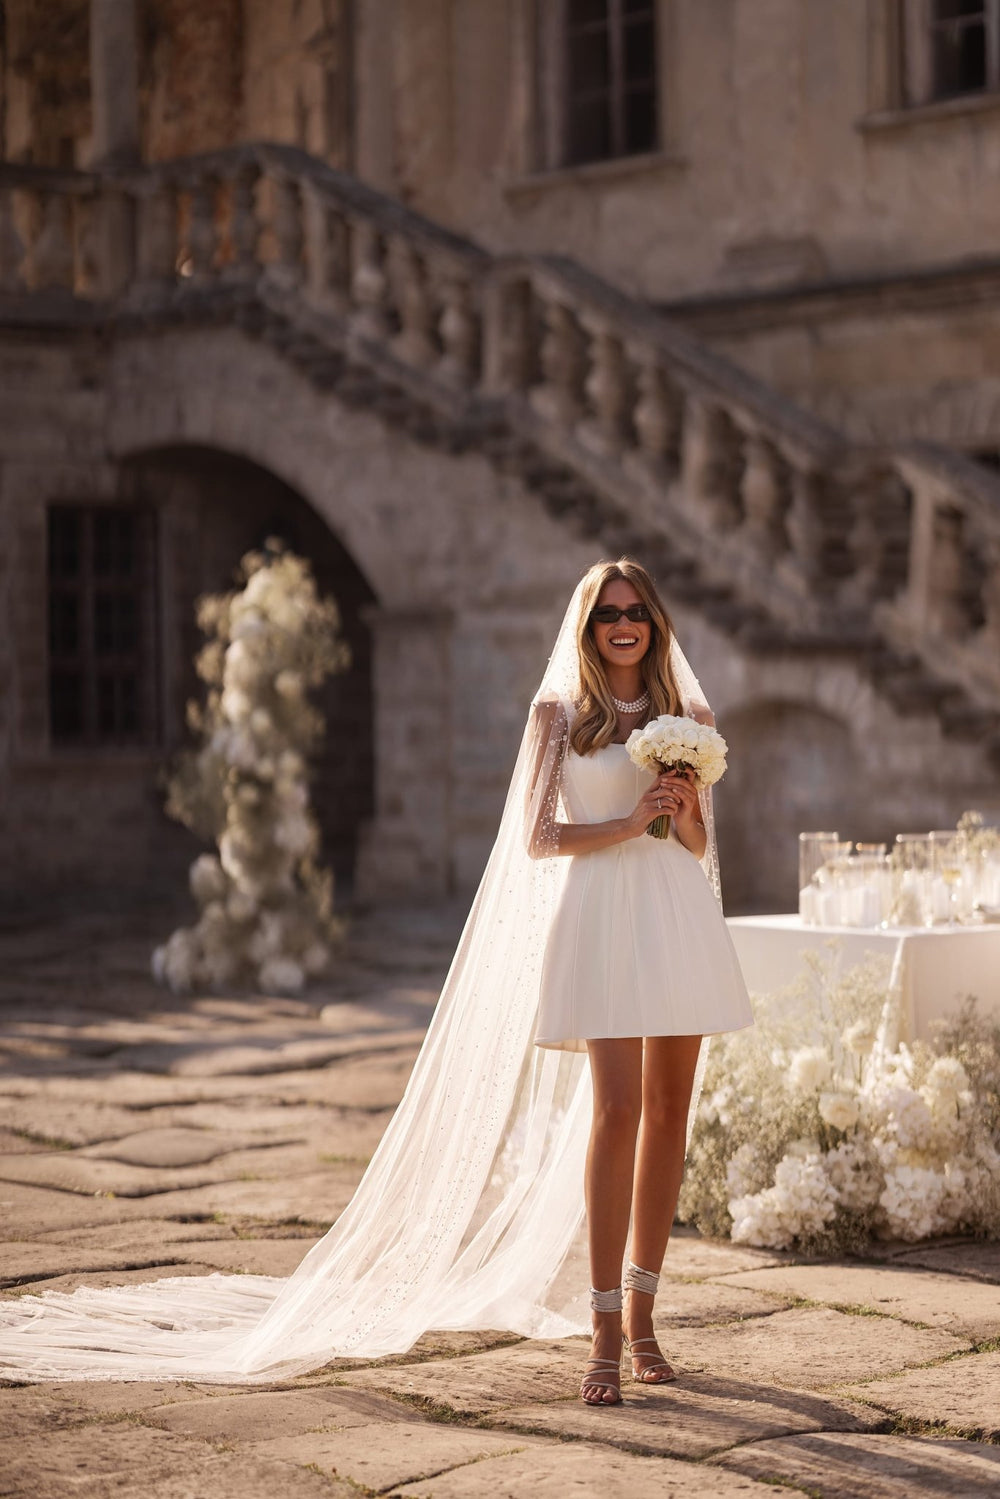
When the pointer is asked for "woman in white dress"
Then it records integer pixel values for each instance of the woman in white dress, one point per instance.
(472, 1203)
(639, 964)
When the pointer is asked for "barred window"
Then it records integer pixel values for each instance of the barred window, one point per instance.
(103, 671)
(610, 79)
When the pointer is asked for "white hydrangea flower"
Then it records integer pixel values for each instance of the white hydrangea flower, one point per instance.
(860, 1038)
(281, 976)
(839, 1110)
(809, 1070)
(948, 1079)
(207, 879)
(912, 1202)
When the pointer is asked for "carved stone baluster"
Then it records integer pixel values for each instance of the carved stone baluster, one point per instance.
(558, 398)
(157, 238)
(608, 390)
(244, 229)
(805, 528)
(458, 329)
(878, 536)
(326, 243)
(52, 252)
(711, 465)
(765, 496)
(288, 235)
(369, 283)
(947, 611)
(11, 245)
(408, 283)
(988, 638)
(508, 354)
(658, 412)
(201, 231)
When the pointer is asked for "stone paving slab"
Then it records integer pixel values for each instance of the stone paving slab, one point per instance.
(247, 1256)
(978, 1259)
(692, 1417)
(968, 1308)
(684, 1303)
(964, 1393)
(808, 1347)
(690, 1255)
(844, 1466)
(384, 1457)
(266, 1416)
(524, 1372)
(186, 1060)
(582, 1468)
(24, 1264)
(64, 1171)
(83, 1124)
(164, 1149)
(130, 1461)
(318, 1197)
(29, 1210)
(140, 1233)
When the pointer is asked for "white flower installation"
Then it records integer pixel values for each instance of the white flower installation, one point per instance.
(815, 1134)
(266, 905)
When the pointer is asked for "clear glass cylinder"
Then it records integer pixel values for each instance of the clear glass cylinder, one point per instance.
(814, 851)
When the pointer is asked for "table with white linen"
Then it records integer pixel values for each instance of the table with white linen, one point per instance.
(936, 969)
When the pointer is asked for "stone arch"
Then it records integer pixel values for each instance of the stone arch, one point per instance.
(212, 507)
(793, 768)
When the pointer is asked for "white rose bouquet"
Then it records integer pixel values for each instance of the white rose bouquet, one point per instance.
(673, 743)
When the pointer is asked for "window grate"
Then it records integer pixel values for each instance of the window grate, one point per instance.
(102, 626)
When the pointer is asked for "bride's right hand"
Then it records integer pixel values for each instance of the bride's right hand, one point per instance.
(659, 801)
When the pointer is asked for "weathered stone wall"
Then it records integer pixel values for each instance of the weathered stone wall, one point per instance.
(469, 576)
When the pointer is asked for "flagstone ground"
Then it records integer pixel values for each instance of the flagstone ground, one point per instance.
(143, 1135)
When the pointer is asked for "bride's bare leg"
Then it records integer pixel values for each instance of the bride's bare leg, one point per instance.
(616, 1067)
(668, 1072)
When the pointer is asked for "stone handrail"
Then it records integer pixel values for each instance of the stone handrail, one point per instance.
(828, 540)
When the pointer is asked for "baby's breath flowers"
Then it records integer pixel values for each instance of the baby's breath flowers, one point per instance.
(814, 1133)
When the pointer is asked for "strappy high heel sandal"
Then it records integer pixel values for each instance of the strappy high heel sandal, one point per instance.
(598, 1371)
(653, 1363)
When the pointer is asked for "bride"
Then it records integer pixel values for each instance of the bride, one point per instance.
(585, 937)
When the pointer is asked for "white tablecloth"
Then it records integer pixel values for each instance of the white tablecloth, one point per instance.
(937, 970)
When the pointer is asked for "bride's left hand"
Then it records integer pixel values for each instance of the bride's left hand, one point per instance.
(682, 792)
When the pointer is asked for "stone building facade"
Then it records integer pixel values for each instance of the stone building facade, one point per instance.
(775, 255)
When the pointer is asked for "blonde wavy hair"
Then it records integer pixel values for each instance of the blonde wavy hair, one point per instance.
(596, 719)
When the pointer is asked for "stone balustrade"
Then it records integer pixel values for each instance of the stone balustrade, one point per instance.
(830, 542)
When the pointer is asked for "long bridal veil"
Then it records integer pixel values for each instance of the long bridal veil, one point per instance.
(471, 1201)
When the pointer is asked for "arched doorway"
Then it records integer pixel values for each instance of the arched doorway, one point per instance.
(212, 507)
(792, 769)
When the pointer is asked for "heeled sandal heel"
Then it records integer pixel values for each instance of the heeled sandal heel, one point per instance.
(648, 1282)
(597, 1370)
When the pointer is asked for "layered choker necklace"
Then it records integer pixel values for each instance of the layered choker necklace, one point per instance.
(639, 706)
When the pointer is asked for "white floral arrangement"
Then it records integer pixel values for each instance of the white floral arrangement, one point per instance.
(815, 1133)
(266, 905)
(671, 742)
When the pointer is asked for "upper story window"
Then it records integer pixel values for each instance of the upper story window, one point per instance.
(102, 650)
(597, 80)
(951, 48)
(610, 92)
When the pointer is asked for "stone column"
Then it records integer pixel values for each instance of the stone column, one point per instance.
(114, 82)
(407, 848)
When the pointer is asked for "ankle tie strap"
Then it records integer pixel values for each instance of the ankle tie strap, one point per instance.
(606, 1301)
(641, 1280)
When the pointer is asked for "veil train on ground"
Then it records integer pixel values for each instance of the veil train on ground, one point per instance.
(472, 1200)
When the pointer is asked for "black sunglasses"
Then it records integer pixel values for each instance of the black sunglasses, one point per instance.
(607, 614)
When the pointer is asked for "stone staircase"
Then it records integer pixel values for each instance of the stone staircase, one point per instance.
(784, 534)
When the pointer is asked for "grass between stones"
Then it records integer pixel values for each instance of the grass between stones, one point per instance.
(35, 1137)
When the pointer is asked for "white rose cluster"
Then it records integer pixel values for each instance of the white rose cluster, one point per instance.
(266, 907)
(670, 741)
(843, 1137)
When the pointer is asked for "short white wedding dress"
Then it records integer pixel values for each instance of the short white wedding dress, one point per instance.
(638, 945)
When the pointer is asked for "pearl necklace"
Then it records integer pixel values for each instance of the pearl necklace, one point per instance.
(639, 706)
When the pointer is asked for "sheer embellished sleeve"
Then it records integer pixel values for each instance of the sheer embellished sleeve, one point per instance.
(549, 731)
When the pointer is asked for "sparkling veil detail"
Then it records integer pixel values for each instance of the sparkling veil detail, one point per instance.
(474, 1196)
